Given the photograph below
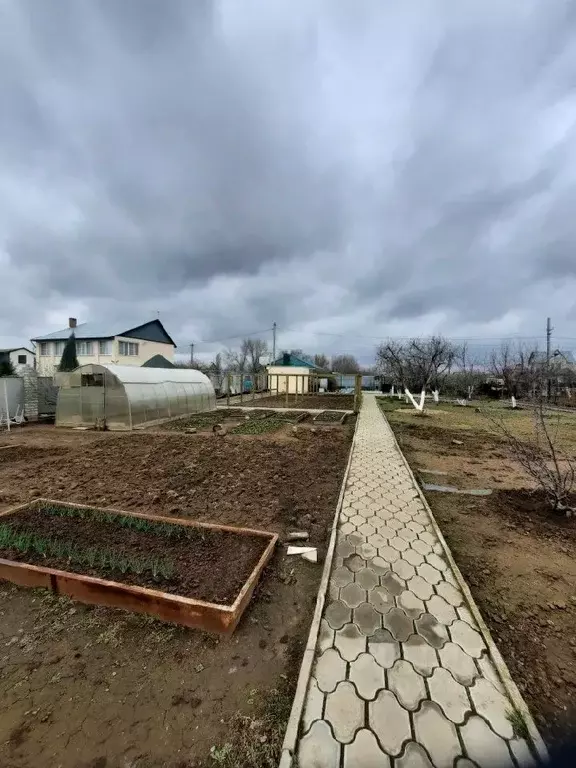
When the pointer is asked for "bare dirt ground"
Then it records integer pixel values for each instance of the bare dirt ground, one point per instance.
(517, 557)
(89, 687)
(336, 402)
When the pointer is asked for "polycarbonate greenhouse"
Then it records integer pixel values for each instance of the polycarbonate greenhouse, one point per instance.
(126, 397)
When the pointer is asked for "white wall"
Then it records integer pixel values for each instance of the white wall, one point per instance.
(298, 379)
(48, 364)
(16, 353)
(15, 390)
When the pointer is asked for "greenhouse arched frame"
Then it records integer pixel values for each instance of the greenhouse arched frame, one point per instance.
(128, 397)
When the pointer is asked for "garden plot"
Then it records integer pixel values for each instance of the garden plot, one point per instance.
(181, 569)
(86, 685)
(330, 417)
(314, 401)
(517, 556)
(201, 422)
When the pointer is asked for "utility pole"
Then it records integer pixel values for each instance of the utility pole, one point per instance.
(191, 354)
(273, 342)
(549, 330)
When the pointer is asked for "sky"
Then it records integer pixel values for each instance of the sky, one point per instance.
(350, 171)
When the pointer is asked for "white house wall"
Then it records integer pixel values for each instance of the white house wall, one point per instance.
(48, 364)
(298, 380)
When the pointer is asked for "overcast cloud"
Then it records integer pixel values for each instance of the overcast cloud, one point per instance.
(350, 168)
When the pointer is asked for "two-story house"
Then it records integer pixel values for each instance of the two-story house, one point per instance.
(98, 342)
(17, 356)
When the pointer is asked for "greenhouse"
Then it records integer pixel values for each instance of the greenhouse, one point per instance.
(128, 397)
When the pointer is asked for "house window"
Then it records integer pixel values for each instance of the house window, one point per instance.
(105, 347)
(84, 348)
(59, 348)
(21, 359)
(128, 348)
(44, 348)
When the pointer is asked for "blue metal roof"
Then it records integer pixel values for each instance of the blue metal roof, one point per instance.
(82, 331)
(296, 362)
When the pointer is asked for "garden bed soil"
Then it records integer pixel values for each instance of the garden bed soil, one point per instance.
(330, 417)
(320, 402)
(94, 687)
(208, 564)
(231, 417)
(518, 558)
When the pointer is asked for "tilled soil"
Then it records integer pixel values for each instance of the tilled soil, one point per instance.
(92, 687)
(337, 402)
(208, 564)
(519, 560)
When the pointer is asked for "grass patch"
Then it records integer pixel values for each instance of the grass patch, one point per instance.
(518, 723)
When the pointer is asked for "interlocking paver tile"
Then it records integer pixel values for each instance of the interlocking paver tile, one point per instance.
(355, 539)
(388, 554)
(441, 609)
(347, 527)
(431, 630)
(411, 604)
(403, 568)
(344, 710)
(367, 619)
(367, 675)
(345, 549)
(493, 707)
(467, 638)
(350, 642)
(407, 684)
(438, 562)
(428, 572)
(459, 663)
(400, 544)
(354, 562)
(414, 757)
(329, 669)
(379, 566)
(413, 557)
(367, 550)
(421, 655)
(342, 576)
(392, 583)
(450, 593)
(488, 671)
(381, 599)
(384, 648)
(420, 587)
(353, 595)
(366, 529)
(415, 526)
(437, 734)
(325, 636)
(385, 532)
(450, 695)
(314, 705)
(389, 721)
(337, 614)
(428, 537)
(522, 753)
(421, 546)
(483, 746)
(399, 624)
(465, 614)
(364, 752)
(367, 578)
(318, 748)
(407, 534)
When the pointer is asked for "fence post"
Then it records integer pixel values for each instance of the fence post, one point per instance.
(253, 386)
(228, 386)
(357, 392)
(286, 386)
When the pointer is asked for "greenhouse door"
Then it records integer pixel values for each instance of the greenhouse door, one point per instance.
(92, 398)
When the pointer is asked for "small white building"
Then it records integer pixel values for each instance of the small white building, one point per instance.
(292, 374)
(18, 356)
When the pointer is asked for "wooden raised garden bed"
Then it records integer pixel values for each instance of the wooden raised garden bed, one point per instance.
(196, 574)
(331, 417)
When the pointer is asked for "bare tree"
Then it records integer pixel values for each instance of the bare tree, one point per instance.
(321, 361)
(520, 368)
(552, 470)
(252, 350)
(235, 360)
(416, 364)
(216, 372)
(345, 364)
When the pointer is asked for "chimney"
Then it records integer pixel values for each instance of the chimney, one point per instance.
(72, 322)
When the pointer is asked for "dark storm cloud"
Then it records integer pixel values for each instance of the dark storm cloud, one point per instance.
(363, 168)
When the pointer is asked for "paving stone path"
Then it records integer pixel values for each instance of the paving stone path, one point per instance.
(402, 677)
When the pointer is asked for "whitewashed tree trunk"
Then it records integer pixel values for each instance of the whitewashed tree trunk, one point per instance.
(513, 401)
(436, 395)
(392, 391)
(410, 399)
(569, 393)
(469, 392)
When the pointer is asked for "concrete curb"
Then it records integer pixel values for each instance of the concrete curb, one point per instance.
(511, 688)
(291, 735)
